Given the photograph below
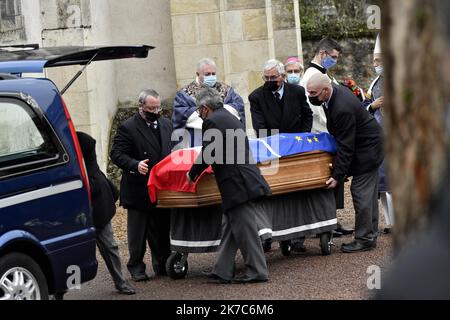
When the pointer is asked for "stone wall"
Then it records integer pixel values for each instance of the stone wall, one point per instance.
(12, 25)
(355, 62)
(239, 35)
(124, 113)
(336, 18)
(94, 99)
(346, 21)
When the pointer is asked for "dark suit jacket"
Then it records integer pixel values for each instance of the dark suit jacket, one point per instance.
(294, 117)
(357, 133)
(136, 142)
(238, 183)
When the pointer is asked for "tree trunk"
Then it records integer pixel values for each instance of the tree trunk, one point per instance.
(415, 105)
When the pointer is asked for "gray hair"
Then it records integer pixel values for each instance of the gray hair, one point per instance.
(205, 62)
(273, 63)
(148, 93)
(209, 97)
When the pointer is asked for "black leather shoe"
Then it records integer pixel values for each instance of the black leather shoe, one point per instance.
(344, 231)
(140, 277)
(126, 289)
(215, 279)
(267, 246)
(247, 280)
(209, 275)
(336, 234)
(358, 246)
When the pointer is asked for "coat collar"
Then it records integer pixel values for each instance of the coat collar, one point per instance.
(287, 107)
(373, 84)
(333, 97)
(271, 106)
(318, 67)
(145, 131)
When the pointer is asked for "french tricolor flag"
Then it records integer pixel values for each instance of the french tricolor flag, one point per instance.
(170, 173)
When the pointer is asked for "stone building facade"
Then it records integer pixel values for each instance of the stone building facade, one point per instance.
(239, 34)
(106, 86)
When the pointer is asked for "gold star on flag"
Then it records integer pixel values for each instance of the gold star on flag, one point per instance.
(315, 139)
(309, 140)
(299, 139)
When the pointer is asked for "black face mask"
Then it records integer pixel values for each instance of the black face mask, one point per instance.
(152, 117)
(271, 86)
(315, 101)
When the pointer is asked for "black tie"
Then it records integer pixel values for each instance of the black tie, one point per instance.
(325, 108)
(277, 96)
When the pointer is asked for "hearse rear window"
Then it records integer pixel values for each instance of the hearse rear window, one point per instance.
(25, 143)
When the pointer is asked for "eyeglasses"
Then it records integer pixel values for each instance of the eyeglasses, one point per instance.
(334, 57)
(294, 71)
(272, 78)
(151, 109)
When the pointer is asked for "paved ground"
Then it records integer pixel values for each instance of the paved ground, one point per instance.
(307, 276)
(304, 276)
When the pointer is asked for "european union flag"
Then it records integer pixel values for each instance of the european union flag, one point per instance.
(284, 145)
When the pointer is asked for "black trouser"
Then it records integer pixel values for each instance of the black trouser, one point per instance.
(241, 233)
(109, 250)
(365, 200)
(152, 227)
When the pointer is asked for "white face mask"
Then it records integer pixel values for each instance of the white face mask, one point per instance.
(379, 70)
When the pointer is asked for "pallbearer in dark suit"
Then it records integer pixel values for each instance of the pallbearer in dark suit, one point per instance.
(359, 155)
(240, 183)
(141, 142)
(281, 107)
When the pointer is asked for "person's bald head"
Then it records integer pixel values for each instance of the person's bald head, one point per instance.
(319, 89)
(317, 83)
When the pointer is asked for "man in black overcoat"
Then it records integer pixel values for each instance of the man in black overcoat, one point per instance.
(141, 142)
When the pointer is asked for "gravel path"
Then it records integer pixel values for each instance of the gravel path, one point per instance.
(302, 276)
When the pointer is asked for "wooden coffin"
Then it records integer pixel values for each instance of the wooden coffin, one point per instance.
(296, 173)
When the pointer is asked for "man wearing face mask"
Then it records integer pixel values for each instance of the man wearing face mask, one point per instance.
(294, 70)
(141, 142)
(326, 57)
(359, 154)
(241, 185)
(184, 116)
(374, 104)
(279, 106)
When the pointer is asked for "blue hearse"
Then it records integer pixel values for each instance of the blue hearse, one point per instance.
(47, 239)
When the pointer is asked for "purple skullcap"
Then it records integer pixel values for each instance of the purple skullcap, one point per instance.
(292, 60)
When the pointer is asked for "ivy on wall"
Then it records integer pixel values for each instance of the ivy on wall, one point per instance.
(335, 18)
